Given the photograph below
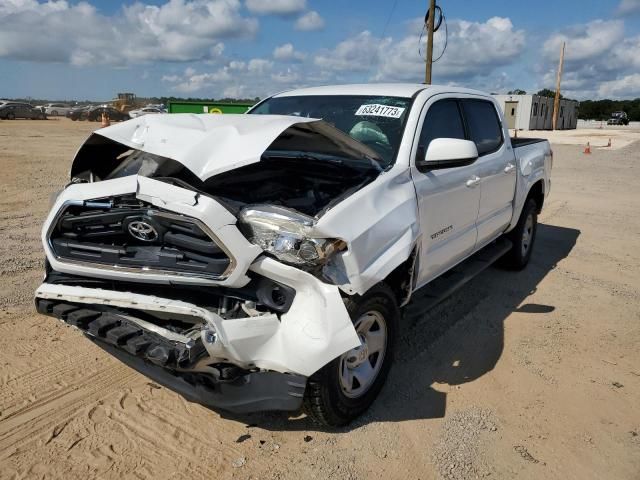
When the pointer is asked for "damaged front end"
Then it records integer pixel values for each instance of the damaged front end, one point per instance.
(208, 276)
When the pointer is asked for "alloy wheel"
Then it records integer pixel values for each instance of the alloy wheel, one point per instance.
(360, 366)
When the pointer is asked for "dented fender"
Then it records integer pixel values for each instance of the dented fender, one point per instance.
(380, 224)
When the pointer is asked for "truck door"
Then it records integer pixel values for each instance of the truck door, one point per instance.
(448, 198)
(495, 167)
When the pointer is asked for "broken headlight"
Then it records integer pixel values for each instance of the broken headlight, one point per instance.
(285, 234)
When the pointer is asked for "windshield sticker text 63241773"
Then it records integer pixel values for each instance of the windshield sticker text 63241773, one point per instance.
(378, 110)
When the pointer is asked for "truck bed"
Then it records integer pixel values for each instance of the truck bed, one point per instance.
(521, 142)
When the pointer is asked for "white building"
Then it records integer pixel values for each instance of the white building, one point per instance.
(534, 112)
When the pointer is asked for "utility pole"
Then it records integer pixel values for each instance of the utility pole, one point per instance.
(556, 100)
(430, 23)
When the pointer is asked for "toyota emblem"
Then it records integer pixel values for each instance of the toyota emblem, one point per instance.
(142, 231)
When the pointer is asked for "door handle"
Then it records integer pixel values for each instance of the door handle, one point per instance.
(473, 181)
(509, 168)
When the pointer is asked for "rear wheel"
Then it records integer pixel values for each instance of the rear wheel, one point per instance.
(523, 237)
(343, 389)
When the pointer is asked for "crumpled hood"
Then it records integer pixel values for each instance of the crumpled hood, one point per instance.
(212, 144)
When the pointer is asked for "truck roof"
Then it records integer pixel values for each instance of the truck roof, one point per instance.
(406, 90)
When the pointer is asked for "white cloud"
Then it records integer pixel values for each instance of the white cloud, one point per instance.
(473, 49)
(355, 54)
(599, 60)
(170, 78)
(476, 55)
(585, 42)
(8, 7)
(625, 87)
(310, 21)
(286, 77)
(627, 7)
(255, 77)
(276, 7)
(177, 30)
(286, 53)
(259, 65)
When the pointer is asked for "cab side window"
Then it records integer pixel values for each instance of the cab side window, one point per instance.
(484, 125)
(443, 120)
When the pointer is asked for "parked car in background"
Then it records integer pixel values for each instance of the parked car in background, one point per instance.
(56, 109)
(145, 111)
(13, 110)
(95, 114)
(79, 113)
(618, 118)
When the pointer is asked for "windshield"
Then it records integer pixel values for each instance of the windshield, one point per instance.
(376, 121)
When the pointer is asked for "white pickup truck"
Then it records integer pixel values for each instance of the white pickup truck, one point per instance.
(260, 261)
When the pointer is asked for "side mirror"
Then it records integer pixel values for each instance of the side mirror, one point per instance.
(447, 153)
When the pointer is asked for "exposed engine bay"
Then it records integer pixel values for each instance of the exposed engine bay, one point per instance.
(306, 185)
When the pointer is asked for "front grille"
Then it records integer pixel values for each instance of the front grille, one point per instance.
(126, 233)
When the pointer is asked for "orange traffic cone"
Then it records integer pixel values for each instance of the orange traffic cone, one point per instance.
(105, 120)
(587, 149)
(609, 144)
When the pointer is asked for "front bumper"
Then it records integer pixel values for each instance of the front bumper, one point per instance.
(173, 362)
(251, 392)
(315, 330)
(274, 352)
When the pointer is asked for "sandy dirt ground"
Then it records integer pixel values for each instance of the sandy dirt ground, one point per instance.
(522, 375)
(596, 137)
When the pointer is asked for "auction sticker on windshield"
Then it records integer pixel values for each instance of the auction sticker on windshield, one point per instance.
(378, 110)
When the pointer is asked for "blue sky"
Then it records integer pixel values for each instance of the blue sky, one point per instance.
(244, 48)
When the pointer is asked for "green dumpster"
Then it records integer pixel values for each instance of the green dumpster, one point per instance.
(208, 107)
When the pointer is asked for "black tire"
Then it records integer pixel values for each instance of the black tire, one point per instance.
(325, 398)
(523, 237)
(54, 113)
(11, 116)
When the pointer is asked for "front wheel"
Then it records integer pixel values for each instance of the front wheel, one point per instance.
(343, 389)
(523, 237)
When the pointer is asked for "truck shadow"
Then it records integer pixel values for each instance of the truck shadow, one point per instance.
(456, 342)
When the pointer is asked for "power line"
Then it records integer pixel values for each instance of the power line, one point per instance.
(393, 8)
(446, 39)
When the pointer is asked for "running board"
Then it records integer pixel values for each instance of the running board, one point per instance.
(442, 287)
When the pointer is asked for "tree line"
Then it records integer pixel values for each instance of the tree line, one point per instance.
(166, 100)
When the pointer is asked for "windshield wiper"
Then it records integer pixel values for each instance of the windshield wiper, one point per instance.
(327, 158)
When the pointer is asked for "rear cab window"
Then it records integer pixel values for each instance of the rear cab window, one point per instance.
(483, 125)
